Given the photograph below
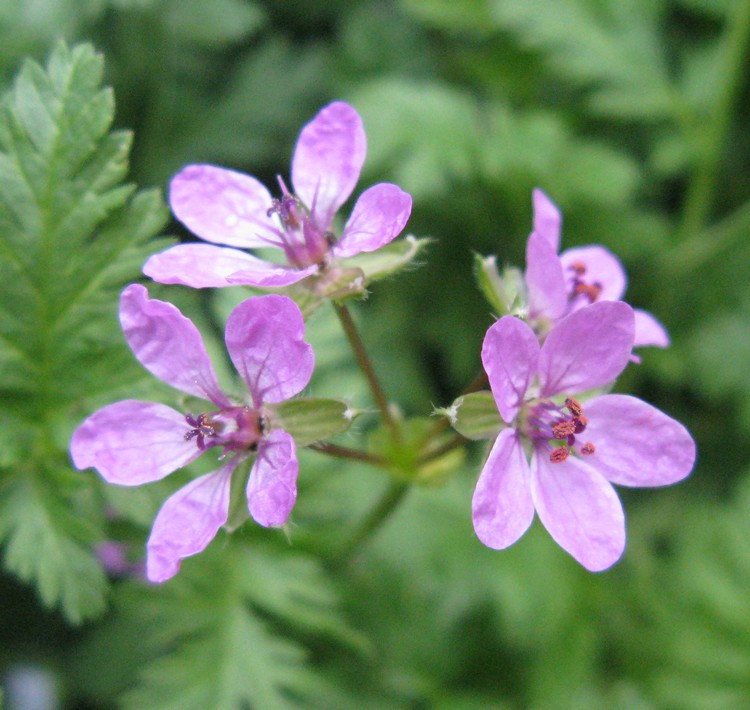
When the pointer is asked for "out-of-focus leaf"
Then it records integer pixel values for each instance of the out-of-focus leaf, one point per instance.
(220, 636)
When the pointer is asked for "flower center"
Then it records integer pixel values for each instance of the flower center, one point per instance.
(558, 428)
(300, 238)
(234, 428)
(579, 286)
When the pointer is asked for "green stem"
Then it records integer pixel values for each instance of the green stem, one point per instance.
(343, 452)
(701, 189)
(358, 348)
(390, 500)
(454, 442)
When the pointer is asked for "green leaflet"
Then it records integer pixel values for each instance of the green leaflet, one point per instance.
(71, 235)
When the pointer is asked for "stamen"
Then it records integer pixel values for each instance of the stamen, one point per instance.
(578, 267)
(590, 291)
(202, 427)
(559, 454)
(564, 429)
(574, 406)
(286, 208)
(588, 448)
(580, 423)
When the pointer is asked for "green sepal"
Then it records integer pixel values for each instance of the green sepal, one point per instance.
(238, 510)
(311, 419)
(474, 415)
(506, 293)
(338, 283)
(389, 259)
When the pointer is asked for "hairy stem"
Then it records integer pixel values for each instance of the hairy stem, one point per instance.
(343, 452)
(363, 359)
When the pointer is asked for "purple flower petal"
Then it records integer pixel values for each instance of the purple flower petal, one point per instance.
(223, 206)
(502, 509)
(327, 161)
(509, 355)
(133, 442)
(267, 275)
(547, 219)
(637, 444)
(544, 279)
(379, 215)
(580, 509)
(188, 521)
(602, 268)
(207, 266)
(587, 349)
(648, 330)
(265, 339)
(168, 345)
(272, 487)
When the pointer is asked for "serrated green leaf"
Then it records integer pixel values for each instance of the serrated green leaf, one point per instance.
(49, 545)
(71, 235)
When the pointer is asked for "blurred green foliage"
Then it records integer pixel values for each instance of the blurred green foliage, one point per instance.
(630, 114)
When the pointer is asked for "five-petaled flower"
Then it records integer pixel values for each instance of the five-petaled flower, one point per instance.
(559, 285)
(235, 210)
(577, 449)
(133, 442)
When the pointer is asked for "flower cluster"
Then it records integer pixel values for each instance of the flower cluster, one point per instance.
(578, 339)
(564, 440)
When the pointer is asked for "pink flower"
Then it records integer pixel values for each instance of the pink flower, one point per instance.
(235, 210)
(559, 285)
(577, 450)
(133, 442)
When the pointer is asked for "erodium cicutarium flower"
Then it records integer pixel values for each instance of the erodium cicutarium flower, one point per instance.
(560, 456)
(578, 277)
(236, 211)
(133, 442)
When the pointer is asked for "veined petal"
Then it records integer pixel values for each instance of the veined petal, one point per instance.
(587, 349)
(132, 442)
(223, 206)
(602, 268)
(204, 265)
(509, 356)
(379, 215)
(580, 509)
(637, 444)
(188, 521)
(267, 275)
(544, 279)
(547, 218)
(501, 508)
(327, 161)
(265, 339)
(272, 487)
(168, 345)
(648, 330)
